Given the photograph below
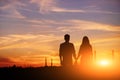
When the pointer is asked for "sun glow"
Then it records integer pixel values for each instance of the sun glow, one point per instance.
(104, 62)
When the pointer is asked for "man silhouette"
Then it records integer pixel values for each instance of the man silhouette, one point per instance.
(66, 51)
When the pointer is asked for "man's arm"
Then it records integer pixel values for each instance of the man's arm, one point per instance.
(73, 52)
(79, 53)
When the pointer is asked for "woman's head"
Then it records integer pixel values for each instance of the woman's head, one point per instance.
(85, 40)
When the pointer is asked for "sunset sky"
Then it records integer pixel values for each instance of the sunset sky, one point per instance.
(31, 30)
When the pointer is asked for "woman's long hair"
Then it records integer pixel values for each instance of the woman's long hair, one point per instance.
(85, 41)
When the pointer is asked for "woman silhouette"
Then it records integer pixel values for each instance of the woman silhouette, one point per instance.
(85, 51)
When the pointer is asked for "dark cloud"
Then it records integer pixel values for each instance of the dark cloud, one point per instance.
(5, 60)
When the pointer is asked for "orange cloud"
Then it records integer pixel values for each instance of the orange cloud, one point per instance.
(57, 9)
(87, 25)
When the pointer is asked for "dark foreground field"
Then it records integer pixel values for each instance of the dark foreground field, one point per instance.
(59, 73)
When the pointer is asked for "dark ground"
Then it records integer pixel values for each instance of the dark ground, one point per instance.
(59, 73)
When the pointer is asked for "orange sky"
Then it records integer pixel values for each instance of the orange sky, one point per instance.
(31, 30)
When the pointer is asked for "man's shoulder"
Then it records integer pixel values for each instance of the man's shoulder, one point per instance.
(62, 44)
(71, 43)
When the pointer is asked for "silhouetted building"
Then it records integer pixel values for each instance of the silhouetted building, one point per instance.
(95, 55)
(113, 55)
(51, 62)
(45, 61)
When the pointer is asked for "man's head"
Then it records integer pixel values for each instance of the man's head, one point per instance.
(67, 37)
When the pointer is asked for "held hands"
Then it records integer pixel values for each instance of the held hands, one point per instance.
(76, 60)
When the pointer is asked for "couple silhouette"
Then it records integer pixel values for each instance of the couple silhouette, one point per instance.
(67, 51)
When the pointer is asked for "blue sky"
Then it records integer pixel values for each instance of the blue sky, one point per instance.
(37, 27)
